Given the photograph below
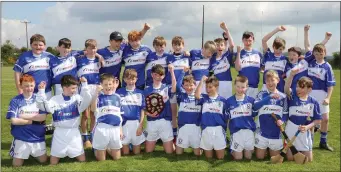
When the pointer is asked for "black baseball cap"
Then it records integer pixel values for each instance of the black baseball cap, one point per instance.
(117, 36)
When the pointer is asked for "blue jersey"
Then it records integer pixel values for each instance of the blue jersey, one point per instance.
(152, 60)
(189, 112)
(31, 132)
(272, 62)
(36, 66)
(303, 112)
(112, 61)
(221, 67)
(132, 102)
(136, 59)
(61, 66)
(302, 66)
(109, 109)
(240, 114)
(213, 111)
(264, 106)
(250, 66)
(89, 68)
(322, 75)
(165, 92)
(199, 65)
(179, 62)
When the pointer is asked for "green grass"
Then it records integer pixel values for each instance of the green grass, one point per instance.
(159, 161)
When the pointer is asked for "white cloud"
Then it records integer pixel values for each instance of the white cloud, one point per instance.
(82, 20)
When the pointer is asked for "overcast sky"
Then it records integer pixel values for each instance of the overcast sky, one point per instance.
(79, 21)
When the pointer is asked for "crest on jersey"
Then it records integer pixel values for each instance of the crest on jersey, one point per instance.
(273, 101)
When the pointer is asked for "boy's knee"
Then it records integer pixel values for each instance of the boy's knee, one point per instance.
(325, 117)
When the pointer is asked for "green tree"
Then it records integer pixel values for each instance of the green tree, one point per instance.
(336, 60)
(8, 53)
(52, 50)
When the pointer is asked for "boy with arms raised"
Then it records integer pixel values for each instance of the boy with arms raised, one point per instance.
(274, 60)
(267, 102)
(133, 103)
(241, 124)
(189, 134)
(213, 118)
(304, 114)
(107, 133)
(248, 63)
(27, 124)
(159, 125)
(221, 62)
(112, 54)
(66, 109)
(35, 63)
(299, 64)
(134, 57)
(321, 73)
(88, 67)
(180, 61)
(200, 61)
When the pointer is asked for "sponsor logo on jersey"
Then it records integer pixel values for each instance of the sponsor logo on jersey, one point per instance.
(271, 109)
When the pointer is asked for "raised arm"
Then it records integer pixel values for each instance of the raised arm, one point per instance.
(42, 103)
(85, 95)
(237, 62)
(146, 27)
(227, 35)
(171, 70)
(198, 89)
(327, 36)
(269, 35)
(306, 38)
(288, 82)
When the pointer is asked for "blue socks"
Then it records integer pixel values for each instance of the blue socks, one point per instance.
(323, 137)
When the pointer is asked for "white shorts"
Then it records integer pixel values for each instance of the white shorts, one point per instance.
(225, 89)
(92, 89)
(252, 92)
(129, 133)
(189, 135)
(213, 138)
(203, 88)
(320, 95)
(22, 150)
(159, 129)
(263, 143)
(243, 139)
(66, 142)
(303, 141)
(106, 137)
(59, 90)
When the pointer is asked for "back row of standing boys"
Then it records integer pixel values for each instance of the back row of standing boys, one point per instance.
(197, 107)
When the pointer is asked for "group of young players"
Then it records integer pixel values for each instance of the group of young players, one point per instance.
(196, 87)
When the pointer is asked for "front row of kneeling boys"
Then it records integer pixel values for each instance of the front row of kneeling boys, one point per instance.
(202, 118)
